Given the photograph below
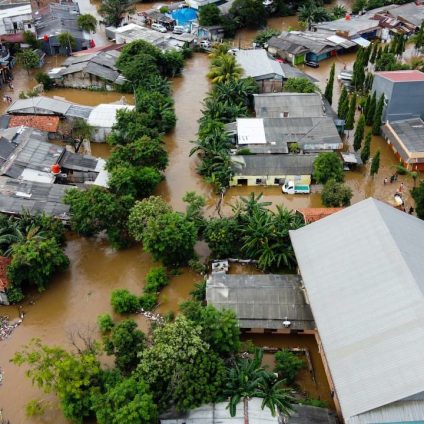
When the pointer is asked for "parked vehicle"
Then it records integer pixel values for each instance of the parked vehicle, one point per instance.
(159, 27)
(290, 187)
(312, 64)
(205, 44)
(178, 29)
(345, 75)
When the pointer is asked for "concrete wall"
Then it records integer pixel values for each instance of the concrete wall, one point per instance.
(269, 180)
(404, 99)
(85, 80)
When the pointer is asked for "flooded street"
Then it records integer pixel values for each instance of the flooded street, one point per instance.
(76, 297)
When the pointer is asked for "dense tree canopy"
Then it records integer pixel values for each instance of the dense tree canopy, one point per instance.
(113, 11)
(248, 13)
(87, 22)
(209, 15)
(328, 166)
(300, 85)
(336, 194)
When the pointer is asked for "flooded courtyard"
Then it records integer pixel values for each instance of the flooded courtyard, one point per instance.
(76, 297)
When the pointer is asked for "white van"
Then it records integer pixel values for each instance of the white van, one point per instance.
(158, 27)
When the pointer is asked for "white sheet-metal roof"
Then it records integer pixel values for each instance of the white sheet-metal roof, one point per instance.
(360, 41)
(37, 176)
(251, 131)
(363, 270)
(16, 11)
(257, 64)
(340, 41)
(104, 115)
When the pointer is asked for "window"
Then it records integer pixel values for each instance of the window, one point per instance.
(285, 114)
(260, 181)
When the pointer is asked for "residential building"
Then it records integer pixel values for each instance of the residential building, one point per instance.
(288, 105)
(16, 18)
(262, 302)
(299, 46)
(48, 124)
(266, 71)
(363, 272)
(55, 19)
(407, 141)
(218, 413)
(277, 135)
(254, 170)
(94, 71)
(410, 13)
(403, 92)
(103, 117)
(310, 215)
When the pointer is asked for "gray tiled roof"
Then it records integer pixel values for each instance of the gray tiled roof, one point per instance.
(410, 12)
(363, 271)
(262, 165)
(39, 105)
(273, 105)
(261, 301)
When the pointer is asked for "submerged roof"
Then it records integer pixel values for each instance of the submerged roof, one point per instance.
(277, 105)
(261, 301)
(263, 165)
(364, 275)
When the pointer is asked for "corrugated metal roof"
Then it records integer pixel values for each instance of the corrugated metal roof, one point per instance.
(276, 105)
(364, 274)
(257, 64)
(261, 301)
(262, 165)
(41, 104)
(104, 115)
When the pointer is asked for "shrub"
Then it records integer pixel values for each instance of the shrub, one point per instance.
(14, 294)
(105, 323)
(288, 365)
(43, 78)
(156, 279)
(148, 301)
(124, 302)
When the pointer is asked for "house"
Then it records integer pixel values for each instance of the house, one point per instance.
(299, 46)
(272, 302)
(4, 281)
(264, 70)
(310, 215)
(409, 13)
(103, 118)
(55, 19)
(48, 124)
(407, 141)
(254, 170)
(288, 105)
(218, 413)
(26, 155)
(153, 16)
(403, 92)
(16, 18)
(363, 272)
(94, 71)
(276, 135)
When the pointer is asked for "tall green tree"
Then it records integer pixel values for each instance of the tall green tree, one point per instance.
(87, 22)
(209, 15)
(418, 195)
(343, 100)
(310, 13)
(370, 111)
(376, 125)
(350, 120)
(358, 76)
(67, 42)
(248, 13)
(328, 94)
(28, 59)
(336, 194)
(374, 53)
(338, 11)
(359, 133)
(288, 365)
(419, 38)
(113, 11)
(328, 166)
(375, 163)
(366, 150)
(225, 68)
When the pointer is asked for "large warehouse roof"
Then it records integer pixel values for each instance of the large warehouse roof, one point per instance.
(363, 270)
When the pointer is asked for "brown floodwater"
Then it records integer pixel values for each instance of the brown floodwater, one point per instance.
(76, 297)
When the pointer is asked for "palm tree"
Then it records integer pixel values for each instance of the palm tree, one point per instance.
(275, 396)
(311, 13)
(338, 11)
(13, 235)
(253, 203)
(218, 50)
(225, 68)
(235, 91)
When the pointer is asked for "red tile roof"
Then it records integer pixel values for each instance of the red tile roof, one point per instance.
(315, 214)
(4, 263)
(12, 38)
(42, 123)
(402, 76)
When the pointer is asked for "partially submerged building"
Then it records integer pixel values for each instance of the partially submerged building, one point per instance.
(279, 135)
(262, 303)
(406, 139)
(16, 17)
(93, 71)
(266, 71)
(367, 299)
(403, 92)
(264, 169)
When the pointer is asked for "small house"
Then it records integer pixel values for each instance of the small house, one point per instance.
(271, 170)
(103, 117)
(16, 17)
(266, 71)
(48, 124)
(406, 139)
(262, 303)
(403, 92)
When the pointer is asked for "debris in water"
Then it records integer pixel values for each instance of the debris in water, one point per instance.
(7, 327)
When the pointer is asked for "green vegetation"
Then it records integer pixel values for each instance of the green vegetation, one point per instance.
(105, 323)
(378, 115)
(31, 39)
(419, 38)
(418, 195)
(311, 13)
(224, 69)
(28, 59)
(113, 11)
(350, 119)
(288, 365)
(366, 150)
(124, 302)
(328, 166)
(343, 106)
(375, 164)
(336, 194)
(43, 78)
(209, 15)
(328, 94)
(359, 133)
(248, 13)
(265, 35)
(87, 22)
(156, 280)
(67, 42)
(300, 85)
